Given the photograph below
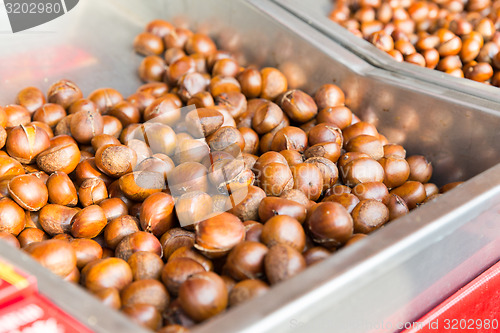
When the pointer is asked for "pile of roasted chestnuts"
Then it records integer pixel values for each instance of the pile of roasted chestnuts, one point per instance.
(208, 185)
(456, 37)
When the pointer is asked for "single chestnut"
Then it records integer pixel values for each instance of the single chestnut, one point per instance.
(296, 196)
(31, 235)
(200, 43)
(147, 44)
(56, 255)
(348, 200)
(369, 215)
(9, 168)
(246, 260)
(298, 105)
(218, 234)
(152, 69)
(115, 160)
(64, 93)
(84, 125)
(87, 169)
(113, 208)
(202, 99)
(367, 144)
(190, 84)
(111, 126)
(31, 98)
(339, 116)
(56, 219)
(174, 239)
(126, 112)
(138, 241)
(411, 192)
(271, 206)
(89, 222)
(283, 262)
(275, 178)
(118, 228)
(359, 128)
(227, 139)
(251, 139)
(159, 137)
(316, 254)
(330, 224)
(144, 315)
(148, 291)
(329, 95)
(203, 295)
(61, 189)
(362, 170)
(86, 250)
(49, 114)
(29, 192)
(248, 207)
(397, 207)
(10, 239)
(187, 252)
(177, 271)
(283, 229)
(139, 185)
(177, 37)
(430, 189)
(289, 137)
(24, 143)
(371, 190)
(246, 290)
(63, 155)
(396, 170)
(203, 122)
(109, 297)
(145, 265)
(157, 213)
(308, 178)
(267, 116)
(106, 273)
(188, 177)
(233, 102)
(328, 170)
(355, 238)
(159, 28)
(92, 191)
(420, 168)
(82, 104)
(292, 157)
(274, 83)
(193, 207)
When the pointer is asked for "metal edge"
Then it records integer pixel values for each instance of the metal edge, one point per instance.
(378, 58)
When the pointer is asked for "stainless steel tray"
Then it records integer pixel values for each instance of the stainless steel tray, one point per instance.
(396, 274)
(315, 13)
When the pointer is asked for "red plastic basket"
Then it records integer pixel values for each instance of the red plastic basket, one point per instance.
(474, 308)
